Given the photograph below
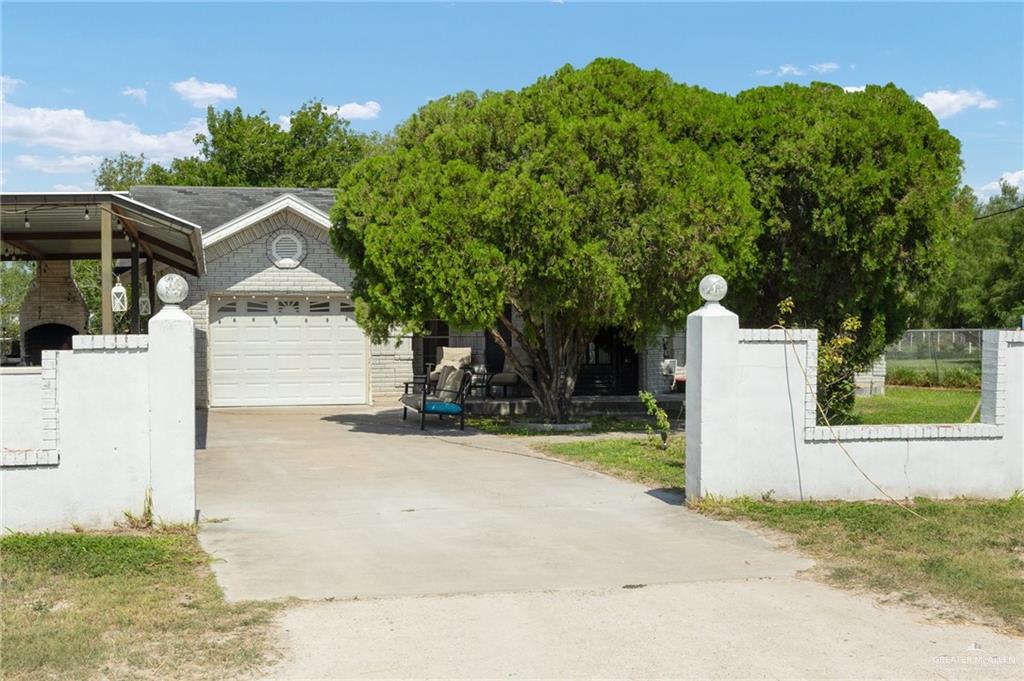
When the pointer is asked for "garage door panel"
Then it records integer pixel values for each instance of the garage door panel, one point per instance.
(292, 354)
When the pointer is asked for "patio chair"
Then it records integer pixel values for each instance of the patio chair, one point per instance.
(457, 358)
(508, 378)
(445, 398)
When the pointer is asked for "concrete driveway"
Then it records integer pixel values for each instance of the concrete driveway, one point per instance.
(329, 503)
(458, 555)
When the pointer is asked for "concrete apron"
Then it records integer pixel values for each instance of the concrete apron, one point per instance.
(344, 503)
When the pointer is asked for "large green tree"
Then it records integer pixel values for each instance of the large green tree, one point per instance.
(594, 197)
(984, 287)
(858, 200)
(250, 150)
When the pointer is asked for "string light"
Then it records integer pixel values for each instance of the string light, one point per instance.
(27, 223)
(86, 213)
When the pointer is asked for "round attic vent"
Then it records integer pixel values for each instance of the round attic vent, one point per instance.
(287, 250)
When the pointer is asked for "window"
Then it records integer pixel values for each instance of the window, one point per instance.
(228, 307)
(288, 307)
(256, 306)
(320, 307)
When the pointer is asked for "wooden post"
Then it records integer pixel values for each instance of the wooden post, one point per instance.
(151, 283)
(106, 268)
(135, 287)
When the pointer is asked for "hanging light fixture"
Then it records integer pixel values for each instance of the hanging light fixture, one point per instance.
(86, 213)
(118, 297)
(27, 223)
(145, 307)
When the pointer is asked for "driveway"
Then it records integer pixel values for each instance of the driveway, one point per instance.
(329, 503)
(460, 555)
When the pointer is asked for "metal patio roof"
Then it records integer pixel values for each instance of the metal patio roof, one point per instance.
(66, 226)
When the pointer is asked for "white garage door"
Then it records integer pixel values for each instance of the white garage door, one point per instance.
(285, 351)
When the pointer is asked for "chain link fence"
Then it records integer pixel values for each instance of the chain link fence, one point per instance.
(935, 357)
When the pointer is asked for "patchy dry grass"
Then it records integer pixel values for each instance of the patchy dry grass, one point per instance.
(120, 606)
(964, 553)
(639, 459)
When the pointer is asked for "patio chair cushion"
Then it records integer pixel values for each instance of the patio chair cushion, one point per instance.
(448, 386)
(460, 358)
(441, 407)
(439, 376)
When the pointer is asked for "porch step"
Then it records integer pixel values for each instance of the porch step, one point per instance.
(597, 405)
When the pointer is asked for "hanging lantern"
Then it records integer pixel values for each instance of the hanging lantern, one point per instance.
(119, 298)
(145, 307)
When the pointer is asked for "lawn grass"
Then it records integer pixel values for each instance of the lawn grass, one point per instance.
(916, 405)
(964, 553)
(639, 459)
(120, 606)
(497, 425)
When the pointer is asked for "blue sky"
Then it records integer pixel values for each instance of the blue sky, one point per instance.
(84, 81)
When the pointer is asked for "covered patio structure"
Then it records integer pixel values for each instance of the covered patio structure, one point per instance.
(103, 226)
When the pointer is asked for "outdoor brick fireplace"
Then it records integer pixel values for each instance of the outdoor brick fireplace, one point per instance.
(53, 311)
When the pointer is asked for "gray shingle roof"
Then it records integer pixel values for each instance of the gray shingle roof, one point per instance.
(210, 207)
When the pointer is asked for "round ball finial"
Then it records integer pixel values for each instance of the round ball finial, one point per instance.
(713, 288)
(172, 289)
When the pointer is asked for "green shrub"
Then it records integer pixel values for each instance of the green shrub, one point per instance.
(926, 378)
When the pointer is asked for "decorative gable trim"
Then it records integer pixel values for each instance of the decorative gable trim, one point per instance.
(257, 215)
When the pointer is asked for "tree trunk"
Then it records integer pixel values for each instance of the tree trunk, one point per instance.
(556, 348)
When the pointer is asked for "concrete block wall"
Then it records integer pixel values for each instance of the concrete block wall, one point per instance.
(751, 427)
(112, 424)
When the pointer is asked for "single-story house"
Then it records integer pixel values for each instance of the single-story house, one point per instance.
(274, 318)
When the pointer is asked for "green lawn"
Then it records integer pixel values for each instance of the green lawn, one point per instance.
(916, 405)
(122, 606)
(968, 555)
(639, 459)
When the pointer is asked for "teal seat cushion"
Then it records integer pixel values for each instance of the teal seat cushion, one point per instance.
(441, 407)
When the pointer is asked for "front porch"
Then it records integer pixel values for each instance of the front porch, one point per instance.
(582, 405)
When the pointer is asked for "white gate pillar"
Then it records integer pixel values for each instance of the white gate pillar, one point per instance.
(712, 340)
(172, 417)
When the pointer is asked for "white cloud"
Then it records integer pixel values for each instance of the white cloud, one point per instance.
(946, 103)
(139, 94)
(764, 72)
(1014, 179)
(790, 70)
(854, 88)
(202, 94)
(58, 164)
(285, 121)
(74, 132)
(67, 188)
(9, 84)
(356, 111)
(825, 67)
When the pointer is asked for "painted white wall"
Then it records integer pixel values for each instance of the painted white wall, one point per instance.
(124, 421)
(751, 425)
(21, 409)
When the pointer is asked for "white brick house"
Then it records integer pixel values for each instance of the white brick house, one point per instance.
(273, 312)
(274, 320)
